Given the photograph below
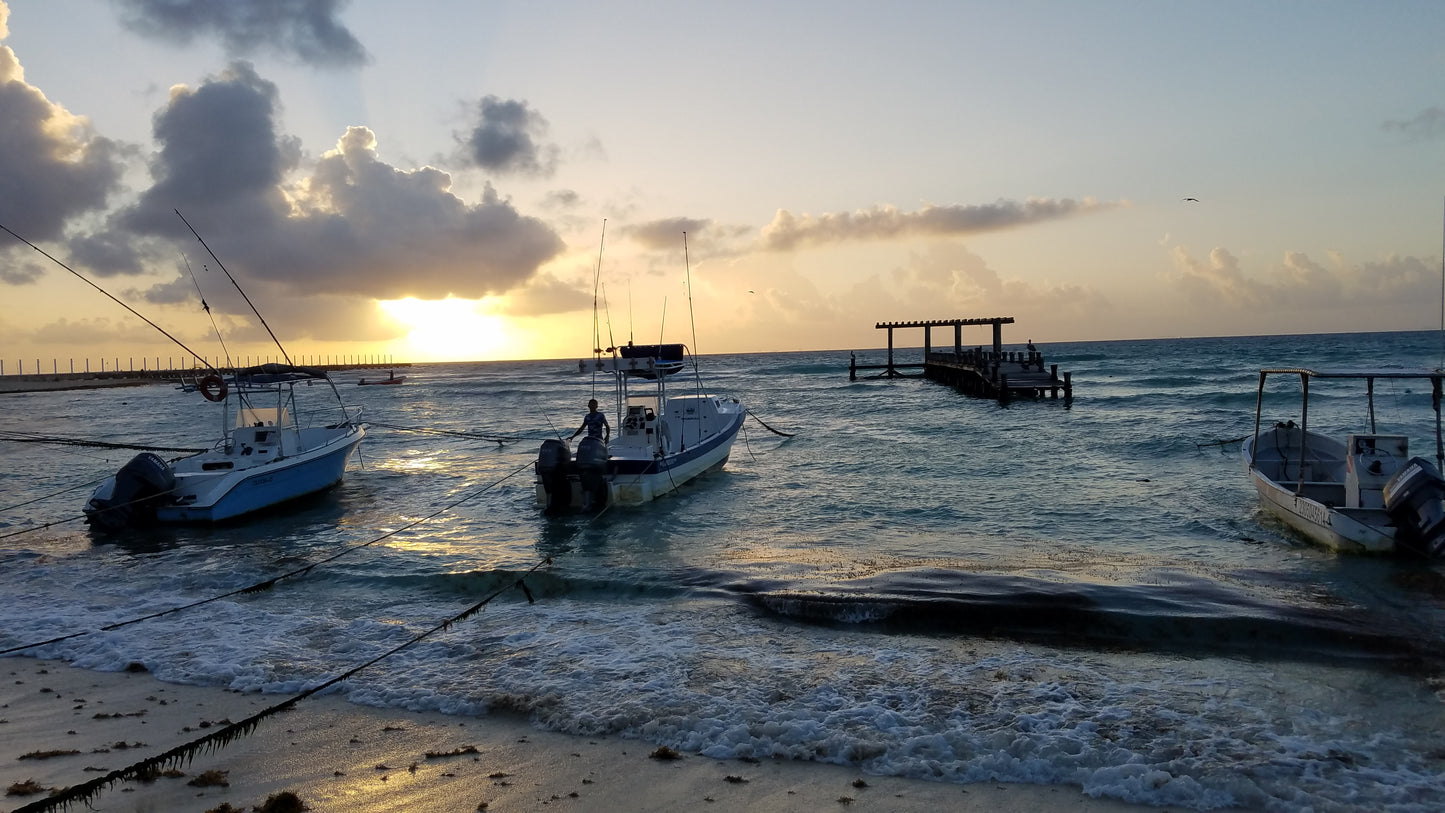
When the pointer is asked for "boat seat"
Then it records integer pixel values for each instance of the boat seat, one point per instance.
(1320, 491)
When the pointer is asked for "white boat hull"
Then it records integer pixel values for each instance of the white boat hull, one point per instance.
(637, 479)
(238, 493)
(217, 486)
(1314, 507)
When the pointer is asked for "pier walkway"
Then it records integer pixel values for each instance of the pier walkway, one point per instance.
(992, 373)
(42, 382)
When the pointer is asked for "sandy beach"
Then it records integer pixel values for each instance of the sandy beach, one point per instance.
(62, 726)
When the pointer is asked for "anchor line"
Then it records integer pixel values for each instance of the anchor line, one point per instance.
(769, 428)
(24, 437)
(10, 508)
(235, 731)
(471, 435)
(269, 583)
(225, 736)
(1224, 442)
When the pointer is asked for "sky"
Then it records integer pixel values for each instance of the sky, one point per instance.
(453, 180)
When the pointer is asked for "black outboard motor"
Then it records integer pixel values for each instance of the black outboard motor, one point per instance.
(592, 471)
(552, 468)
(139, 486)
(1415, 500)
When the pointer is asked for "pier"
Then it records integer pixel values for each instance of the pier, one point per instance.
(981, 373)
(55, 379)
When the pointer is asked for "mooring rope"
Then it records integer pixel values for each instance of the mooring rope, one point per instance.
(769, 428)
(498, 439)
(187, 752)
(26, 437)
(1224, 442)
(269, 583)
(219, 739)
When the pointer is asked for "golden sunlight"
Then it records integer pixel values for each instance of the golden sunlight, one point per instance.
(450, 330)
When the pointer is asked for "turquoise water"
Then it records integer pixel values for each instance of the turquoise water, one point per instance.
(917, 583)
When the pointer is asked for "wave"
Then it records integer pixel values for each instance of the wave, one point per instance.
(1188, 616)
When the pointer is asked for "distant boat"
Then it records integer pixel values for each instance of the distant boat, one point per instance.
(392, 378)
(1364, 494)
(661, 440)
(263, 458)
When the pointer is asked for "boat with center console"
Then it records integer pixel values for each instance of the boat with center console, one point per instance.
(668, 431)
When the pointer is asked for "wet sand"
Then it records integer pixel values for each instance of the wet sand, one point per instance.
(63, 726)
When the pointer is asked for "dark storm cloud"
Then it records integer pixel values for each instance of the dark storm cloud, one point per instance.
(1428, 124)
(219, 147)
(357, 225)
(105, 254)
(506, 139)
(52, 166)
(789, 231)
(307, 30)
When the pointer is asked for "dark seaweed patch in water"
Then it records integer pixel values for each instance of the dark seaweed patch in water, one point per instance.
(1198, 619)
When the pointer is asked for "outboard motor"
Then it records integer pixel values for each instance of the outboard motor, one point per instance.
(1415, 500)
(139, 485)
(592, 471)
(552, 468)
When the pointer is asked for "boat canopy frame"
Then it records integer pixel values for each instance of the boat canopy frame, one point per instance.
(1306, 374)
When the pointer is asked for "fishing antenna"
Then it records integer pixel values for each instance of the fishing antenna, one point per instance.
(207, 309)
(108, 295)
(688, 266)
(222, 266)
(596, 283)
(611, 345)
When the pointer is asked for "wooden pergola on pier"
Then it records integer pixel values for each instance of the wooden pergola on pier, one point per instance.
(975, 371)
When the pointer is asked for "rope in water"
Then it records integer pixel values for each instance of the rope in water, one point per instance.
(84, 792)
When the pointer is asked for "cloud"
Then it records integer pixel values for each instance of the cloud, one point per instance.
(788, 231)
(1299, 284)
(305, 30)
(356, 224)
(666, 234)
(1428, 124)
(546, 295)
(53, 167)
(21, 273)
(506, 139)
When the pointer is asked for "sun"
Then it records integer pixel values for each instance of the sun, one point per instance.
(450, 329)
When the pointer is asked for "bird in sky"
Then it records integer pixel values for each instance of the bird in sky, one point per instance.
(1196, 200)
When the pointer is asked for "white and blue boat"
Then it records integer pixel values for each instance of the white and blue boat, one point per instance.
(666, 433)
(263, 458)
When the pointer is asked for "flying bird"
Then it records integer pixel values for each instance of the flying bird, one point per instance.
(1196, 200)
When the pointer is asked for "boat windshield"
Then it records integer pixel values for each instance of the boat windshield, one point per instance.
(262, 416)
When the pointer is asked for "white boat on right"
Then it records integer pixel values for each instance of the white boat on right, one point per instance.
(1360, 493)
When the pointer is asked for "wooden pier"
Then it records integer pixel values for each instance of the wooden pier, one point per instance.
(974, 371)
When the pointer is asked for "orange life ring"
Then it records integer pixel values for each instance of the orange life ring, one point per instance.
(213, 387)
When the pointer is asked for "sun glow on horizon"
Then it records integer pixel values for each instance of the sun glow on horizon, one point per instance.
(450, 329)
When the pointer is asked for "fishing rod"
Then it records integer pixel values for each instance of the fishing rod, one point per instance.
(222, 266)
(109, 296)
(207, 308)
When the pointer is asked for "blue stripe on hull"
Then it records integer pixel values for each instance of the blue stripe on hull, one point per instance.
(267, 487)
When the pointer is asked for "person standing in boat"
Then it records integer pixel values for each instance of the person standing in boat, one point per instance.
(594, 423)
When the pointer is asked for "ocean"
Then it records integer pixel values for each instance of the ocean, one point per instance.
(917, 583)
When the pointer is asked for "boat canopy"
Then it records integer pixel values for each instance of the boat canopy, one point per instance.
(278, 374)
